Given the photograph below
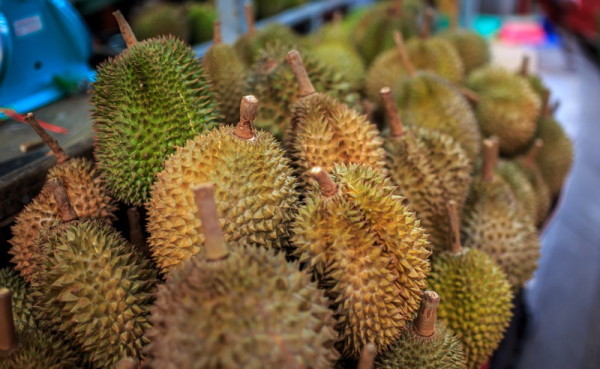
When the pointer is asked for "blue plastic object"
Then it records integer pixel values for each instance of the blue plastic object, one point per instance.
(41, 42)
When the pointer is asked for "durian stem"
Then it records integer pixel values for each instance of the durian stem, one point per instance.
(245, 127)
(367, 357)
(454, 222)
(524, 69)
(65, 210)
(217, 32)
(326, 184)
(136, 231)
(428, 17)
(50, 141)
(216, 249)
(127, 363)
(529, 160)
(125, 29)
(249, 14)
(396, 8)
(8, 333)
(391, 111)
(425, 323)
(454, 10)
(490, 158)
(399, 40)
(545, 103)
(470, 95)
(295, 61)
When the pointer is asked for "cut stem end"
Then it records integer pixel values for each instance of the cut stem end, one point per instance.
(490, 158)
(50, 141)
(125, 29)
(404, 59)
(248, 110)
(367, 357)
(217, 32)
(305, 85)
(204, 196)
(326, 184)
(249, 14)
(65, 210)
(425, 323)
(8, 333)
(391, 111)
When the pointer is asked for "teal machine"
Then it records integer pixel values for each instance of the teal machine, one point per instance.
(44, 52)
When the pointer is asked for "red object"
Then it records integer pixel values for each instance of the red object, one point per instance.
(522, 32)
(579, 16)
(21, 118)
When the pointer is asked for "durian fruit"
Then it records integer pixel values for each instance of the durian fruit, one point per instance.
(385, 71)
(429, 168)
(255, 191)
(367, 251)
(86, 190)
(201, 17)
(238, 306)
(326, 132)
(426, 343)
(93, 287)
(430, 101)
(150, 98)
(529, 166)
(161, 19)
(507, 107)
(477, 296)
(495, 223)
(22, 301)
(27, 347)
(535, 82)
(227, 75)
(521, 186)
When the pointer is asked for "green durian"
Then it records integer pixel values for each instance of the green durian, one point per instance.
(342, 59)
(535, 81)
(249, 45)
(22, 301)
(522, 188)
(150, 98)
(429, 168)
(238, 306)
(476, 302)
(425, 344)
(436, 55)
(255, 190)
(386, 71)
(161, 19)
(367, 251)
(267, 8)
(529, 166)
(506, 107)
(201, 17)
(472, 48)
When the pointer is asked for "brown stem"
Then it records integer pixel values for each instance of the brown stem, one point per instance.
(454, 222)
(399, 40)
(245, 127)
(455, 6)
(50, 141)
(326, 184)
(127, 363)
(295, 61)
(65, 210)
(545, 112)
(529, 159)
(125, 29)
(217, 32)
(136, 231)
(524, 69)
(490, 158)
(367, 357)
(425, 323)
(427, 23)
(396, 8)
(391, 111)
(249, 14)
(216, 249)
(470, 95)
(8, 333)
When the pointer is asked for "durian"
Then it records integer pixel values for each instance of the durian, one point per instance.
(429, 168)
(325, 132)
(22, 301)
(473, 49)
(536, 83)
(255, 191)
(521, 186)
(161, 19)
(367, 251)
(149, 99)
(477, 296)
(425, 344)
(86, 190)
(201, 17)
(529, 166)
(94, 287)
(238, 306)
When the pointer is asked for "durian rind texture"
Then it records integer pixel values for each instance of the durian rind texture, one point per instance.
(385, 71)
(250, 310)
(87, 194)
(201, 17)
(443, 350)
(343, 60)
(248, 46)
(436, 55)
(96, 290)
(369, 253)
(520, 185)
(22, 301)
(255, 193)
(476, 301)
(556, 156)
(541, 191)
(147, 100)
(473, 49)
(161, 19)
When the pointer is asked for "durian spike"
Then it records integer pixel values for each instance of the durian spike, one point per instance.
(529, 159)
(50, 141)
(245, 127)
(136, 232)
(490, 158)
(454, 221)
(428, 17)
(65, 210)
(216, 249)
(8, 333)
(399, 40)
(125, 29)
(391, 111)
(249, 14)
(470, 95)
(326, 184)
(217, 32)
(524, 69)
(396, 8)
(127, 363)
(295, 61)
(546, 103)
(367, 357)
(425, 322)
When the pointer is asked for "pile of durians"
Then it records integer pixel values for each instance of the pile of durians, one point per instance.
(368, 195)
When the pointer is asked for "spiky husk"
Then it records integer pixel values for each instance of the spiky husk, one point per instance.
(473, 49)
(95, 289)
(228, 78)
(432, 102)
(541, 192)
(89, 198)
(507, 108)
(443, 350)
(520, 185)
(248, 46)
(537, 85)
(161, 19)
(430, 169)
(385, 71)
(22, 301)
(150, 98)
(369, 253)
(342, 59)
(476, 301)
(201, 18)
(254, 189)
(326, 132)
(556, 156)
(436, 55)
(250, 310)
